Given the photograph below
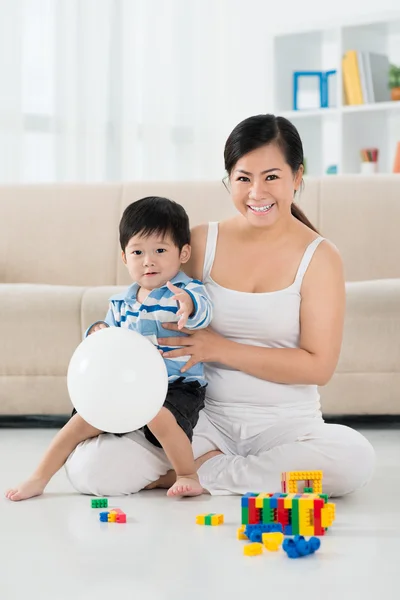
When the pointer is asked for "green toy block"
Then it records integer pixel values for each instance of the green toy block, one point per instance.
(308, 490)
(99, 502)
(324, 497)
(295, 517)
(245, 515)
(267, 512)
(207, 519)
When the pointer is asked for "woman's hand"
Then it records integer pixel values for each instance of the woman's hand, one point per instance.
(203, 345)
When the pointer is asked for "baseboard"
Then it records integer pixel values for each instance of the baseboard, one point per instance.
(33, 421)
(57, 421)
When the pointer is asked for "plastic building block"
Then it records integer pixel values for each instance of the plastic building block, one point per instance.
(210, 519)
(241, 534)
(312, 479)
(306, 514)
(252, 549)
(115, 515)
(121, 518)
(272, 541)
(200, 519)
(254, 532)
(299, 546)
(99, 502)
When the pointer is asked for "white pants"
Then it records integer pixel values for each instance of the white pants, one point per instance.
(109, 465)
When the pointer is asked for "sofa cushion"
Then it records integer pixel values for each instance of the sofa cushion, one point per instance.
(60, 234)
(40, 328)
(361, 215)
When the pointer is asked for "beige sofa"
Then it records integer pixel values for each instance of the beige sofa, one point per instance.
(60, 261)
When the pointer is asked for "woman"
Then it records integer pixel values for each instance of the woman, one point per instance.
(279, 300)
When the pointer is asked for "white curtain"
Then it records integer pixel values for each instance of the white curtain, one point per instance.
(108, 90)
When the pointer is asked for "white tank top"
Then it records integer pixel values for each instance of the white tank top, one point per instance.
(269, 320)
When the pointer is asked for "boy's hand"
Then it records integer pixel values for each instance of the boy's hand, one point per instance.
(185, 302)
(97, 327)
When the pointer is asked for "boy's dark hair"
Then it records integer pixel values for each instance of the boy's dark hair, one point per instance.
(155, 215)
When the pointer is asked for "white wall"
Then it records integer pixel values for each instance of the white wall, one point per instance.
(192, 69)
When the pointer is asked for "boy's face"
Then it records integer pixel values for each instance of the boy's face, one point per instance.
(153, 260)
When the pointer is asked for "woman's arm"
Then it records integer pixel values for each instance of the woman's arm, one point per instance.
(321, 328)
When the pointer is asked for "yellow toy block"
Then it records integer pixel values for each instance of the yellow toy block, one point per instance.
(306, 525)
(217, 520)
(287, 503)
(290, 480)
(272, 541)
(328, 514)
(112, 517)
(241, 534)
(260, 500)
(253, 549)
(200, 519)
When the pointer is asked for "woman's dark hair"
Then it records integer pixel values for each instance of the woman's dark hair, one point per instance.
(155, 215)
(258, 131)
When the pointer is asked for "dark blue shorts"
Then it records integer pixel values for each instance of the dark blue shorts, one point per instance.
(184, 400)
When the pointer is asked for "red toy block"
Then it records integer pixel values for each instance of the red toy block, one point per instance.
(253, 512)
(318, 506)
(121, 518)
(282, 513)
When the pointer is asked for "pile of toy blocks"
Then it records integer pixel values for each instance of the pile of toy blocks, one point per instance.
(114, 515)
(306, 514)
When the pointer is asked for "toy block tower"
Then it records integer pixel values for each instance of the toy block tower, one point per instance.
(312, 480)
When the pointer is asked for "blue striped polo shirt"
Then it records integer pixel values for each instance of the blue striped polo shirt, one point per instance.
(146, 318)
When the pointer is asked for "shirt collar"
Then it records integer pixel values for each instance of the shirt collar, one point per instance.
(131, 292)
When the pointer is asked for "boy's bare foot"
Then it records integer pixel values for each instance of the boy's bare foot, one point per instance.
(167, 480)
(186, 486)
(28, 489)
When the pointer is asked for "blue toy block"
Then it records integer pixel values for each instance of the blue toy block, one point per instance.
(245, 499)
(104, 516)
(254, 532)
(288, 530)
(273, 501)
(299, 546)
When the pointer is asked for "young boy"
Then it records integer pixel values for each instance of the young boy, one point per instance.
(155, 241)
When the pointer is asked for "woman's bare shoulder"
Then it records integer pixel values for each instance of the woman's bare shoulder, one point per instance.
(326, 264)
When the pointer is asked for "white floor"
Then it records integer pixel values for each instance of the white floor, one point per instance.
(55, 548)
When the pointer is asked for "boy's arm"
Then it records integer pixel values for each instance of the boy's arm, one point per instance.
(113, 319)
(202, 307)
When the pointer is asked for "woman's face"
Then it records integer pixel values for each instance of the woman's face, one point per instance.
(263, 186)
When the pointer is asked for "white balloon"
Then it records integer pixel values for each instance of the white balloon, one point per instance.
(117, 380)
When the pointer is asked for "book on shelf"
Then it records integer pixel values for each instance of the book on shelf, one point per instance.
(365, 77)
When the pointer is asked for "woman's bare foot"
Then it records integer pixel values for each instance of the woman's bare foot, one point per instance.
(28, 489)
(186, 486)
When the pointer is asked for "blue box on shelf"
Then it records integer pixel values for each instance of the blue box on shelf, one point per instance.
(320, 94)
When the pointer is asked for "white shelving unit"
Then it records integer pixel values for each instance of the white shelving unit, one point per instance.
(335, 135)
